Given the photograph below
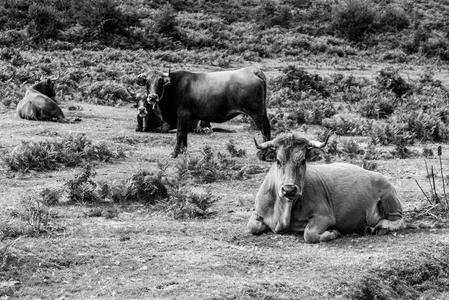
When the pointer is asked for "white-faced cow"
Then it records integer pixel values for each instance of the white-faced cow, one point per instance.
(39, 103)
(211, 97)
(321, 200)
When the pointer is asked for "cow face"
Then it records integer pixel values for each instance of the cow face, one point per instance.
(157, 86)
(289, 169)
(142, 106)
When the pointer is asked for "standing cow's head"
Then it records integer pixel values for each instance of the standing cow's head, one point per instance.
(156, 85)
(290, 153)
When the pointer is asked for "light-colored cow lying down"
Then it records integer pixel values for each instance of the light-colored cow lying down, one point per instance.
(38, 103)
(322, 201)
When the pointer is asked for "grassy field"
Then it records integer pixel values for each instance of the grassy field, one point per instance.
(62, 235)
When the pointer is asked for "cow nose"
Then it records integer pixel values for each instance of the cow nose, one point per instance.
(289, 190)
(152, 98)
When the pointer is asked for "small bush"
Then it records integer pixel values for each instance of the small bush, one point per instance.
(81, 189)
(394, 18)
(389, 79)
(354, 18)
(377, 106)
(52, 154)
(342, 125)
(270, 14)
(144, 187)
(298, 80)
(208, 168)
(185, 204)
(230, 146)
(165, 22)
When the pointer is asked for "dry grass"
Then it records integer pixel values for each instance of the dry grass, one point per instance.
(418, 274)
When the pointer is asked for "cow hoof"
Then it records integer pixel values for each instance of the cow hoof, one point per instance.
(138, 129)
(146, 129)
(174, 154)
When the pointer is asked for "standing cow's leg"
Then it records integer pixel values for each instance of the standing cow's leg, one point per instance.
(316, 230)
(139, 124)
(263, 124)
(181, 135)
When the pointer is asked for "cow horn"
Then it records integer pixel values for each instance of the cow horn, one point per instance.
(264, 145)
(316, 144)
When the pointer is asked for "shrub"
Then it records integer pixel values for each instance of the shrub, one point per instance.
(394, 18)
(81, 189)
(102, 17)
(144, 187)
(377, 106)
(230, 146)
(210, 167)
(270, 14)
(297, 79)
(354, 18)
(45, 21)
(72, 151)
(313, 112)
(389, 79)
(185, 203)
(343, 125)
(108, 93)
(165, 21)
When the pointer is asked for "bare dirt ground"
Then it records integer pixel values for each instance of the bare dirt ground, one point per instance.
(147, 254)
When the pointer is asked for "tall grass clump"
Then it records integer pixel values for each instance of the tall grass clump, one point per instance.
(71, 151)
(437, 194)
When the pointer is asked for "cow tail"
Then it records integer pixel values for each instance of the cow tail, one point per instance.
(261, 75)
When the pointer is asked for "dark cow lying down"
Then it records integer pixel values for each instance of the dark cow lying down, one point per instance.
(149, 119)
(321, 200)
(212, 97)
(39, 103)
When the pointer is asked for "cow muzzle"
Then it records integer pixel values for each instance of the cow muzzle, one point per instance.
(152, 99)
(290, 191)
(142, 112)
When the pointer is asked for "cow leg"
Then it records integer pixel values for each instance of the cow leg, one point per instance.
(316, 230)
(181, 135)
(391, 210)
(139, 124)
(146, 123)
(263, 124)
(256, 225)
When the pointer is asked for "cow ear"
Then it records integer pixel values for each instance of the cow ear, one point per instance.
(314, 154)
(268, 154)
(167, 81)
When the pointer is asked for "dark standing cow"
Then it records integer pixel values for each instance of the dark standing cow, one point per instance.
(212, 97)
(39, 103)
(321, 201)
